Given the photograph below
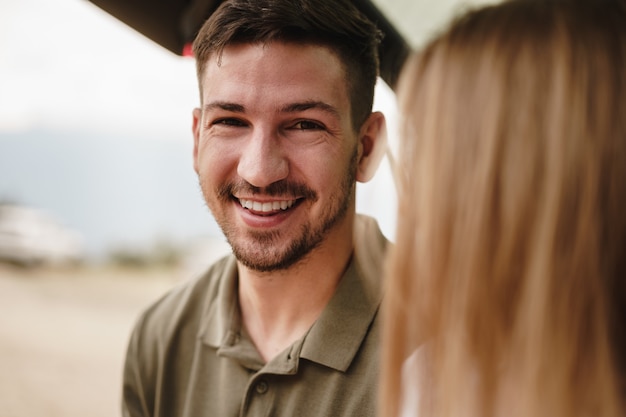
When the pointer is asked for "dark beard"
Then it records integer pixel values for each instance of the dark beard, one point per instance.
(259, 255)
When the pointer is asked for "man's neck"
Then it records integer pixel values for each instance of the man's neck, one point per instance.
(279, 307)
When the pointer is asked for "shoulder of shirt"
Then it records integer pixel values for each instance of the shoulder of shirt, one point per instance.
(184, 303)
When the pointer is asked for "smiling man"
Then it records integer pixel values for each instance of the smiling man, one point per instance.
(287, 325)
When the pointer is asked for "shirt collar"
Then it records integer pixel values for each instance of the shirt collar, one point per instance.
(337, 335)
(335, 338)
(223, 321)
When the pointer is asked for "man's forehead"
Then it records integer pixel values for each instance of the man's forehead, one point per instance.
(303, 72)
(270, 49)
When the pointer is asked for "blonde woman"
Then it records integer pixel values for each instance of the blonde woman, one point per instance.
(506, 291)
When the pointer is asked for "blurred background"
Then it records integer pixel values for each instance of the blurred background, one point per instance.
(100, 210)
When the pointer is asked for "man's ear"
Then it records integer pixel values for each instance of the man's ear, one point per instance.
(372, 146)
(197, 122)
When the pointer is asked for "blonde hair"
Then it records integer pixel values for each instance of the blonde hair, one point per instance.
(510, 262)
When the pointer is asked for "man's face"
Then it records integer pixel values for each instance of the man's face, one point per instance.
(274, 150)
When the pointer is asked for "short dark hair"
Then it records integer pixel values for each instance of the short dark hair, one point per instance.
(336, 24)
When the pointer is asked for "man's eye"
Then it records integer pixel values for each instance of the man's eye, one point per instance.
(229, 122)
(307, 125)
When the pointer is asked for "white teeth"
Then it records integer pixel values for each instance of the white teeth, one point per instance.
(266, 207)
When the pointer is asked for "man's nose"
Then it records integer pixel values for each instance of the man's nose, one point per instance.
(262, 161)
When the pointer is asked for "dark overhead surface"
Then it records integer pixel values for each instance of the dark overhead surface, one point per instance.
(174, 23)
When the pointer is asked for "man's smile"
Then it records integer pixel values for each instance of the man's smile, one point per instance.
(268, 207)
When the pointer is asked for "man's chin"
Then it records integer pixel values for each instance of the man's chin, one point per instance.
(264, 258)
(264, 263)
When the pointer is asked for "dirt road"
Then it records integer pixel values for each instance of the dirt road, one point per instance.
(63, 336)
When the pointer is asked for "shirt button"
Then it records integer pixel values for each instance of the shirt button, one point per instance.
(261, 387)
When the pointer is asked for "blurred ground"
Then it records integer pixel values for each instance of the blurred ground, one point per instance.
(63, 336)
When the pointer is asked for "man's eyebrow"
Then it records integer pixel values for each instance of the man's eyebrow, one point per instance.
(307, 105)
(224, 105)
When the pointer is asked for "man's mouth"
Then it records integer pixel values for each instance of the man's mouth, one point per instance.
(266, 207)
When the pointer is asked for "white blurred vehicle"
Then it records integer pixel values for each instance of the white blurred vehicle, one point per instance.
(32, 237)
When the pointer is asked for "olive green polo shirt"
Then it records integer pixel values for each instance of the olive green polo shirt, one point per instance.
(189, 354)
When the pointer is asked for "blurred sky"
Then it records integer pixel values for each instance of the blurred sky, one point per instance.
(67, 64)
(95, 128)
